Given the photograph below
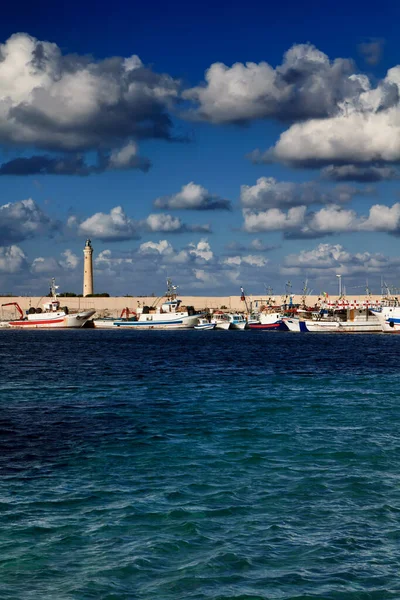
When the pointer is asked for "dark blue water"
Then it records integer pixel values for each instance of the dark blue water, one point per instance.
(199, 465)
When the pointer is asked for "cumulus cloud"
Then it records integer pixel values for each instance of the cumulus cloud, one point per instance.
(12, 259)
(156, 248)
(45, 265)
(114, 226)
(329, 259)
(270, 193)
(298, 223)
(161, 222)
(23, 220)
(117, 226)
(274, 219)
(124, 158)
(306, 85)
(69, 260)
(69, 102)
(362, 174)
(361, 128)
(201, 250)
(252, 260)
(193, 197)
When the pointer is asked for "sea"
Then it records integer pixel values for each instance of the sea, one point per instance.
(198, 465)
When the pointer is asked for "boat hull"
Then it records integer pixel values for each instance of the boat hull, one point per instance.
(176, 323)
(280, 326)
(389, 319)
(310, 326)
(58, 321)
(223, 325)
(238, 325)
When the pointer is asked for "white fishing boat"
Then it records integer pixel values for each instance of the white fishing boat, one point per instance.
(221, 320)
(170, 315)
(389, 317)
(205, 324)
(107, 322)
(236, 321)
(343, 320)
(50, 316)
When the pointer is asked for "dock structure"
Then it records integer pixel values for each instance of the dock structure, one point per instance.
(88, 269)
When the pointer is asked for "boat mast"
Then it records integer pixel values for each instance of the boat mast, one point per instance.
(53, 288)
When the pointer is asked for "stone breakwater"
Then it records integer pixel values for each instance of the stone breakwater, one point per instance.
(113, 306)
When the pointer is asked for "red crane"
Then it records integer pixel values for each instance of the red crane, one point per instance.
(126, 311)
(17, 306)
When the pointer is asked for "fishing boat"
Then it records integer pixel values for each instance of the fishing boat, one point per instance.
(388, 316)
(170, 315)
(341, 319)
(109, 322)
(221, 320)
(50, 316)
(267, 320)
(236, 321)
(205, 324)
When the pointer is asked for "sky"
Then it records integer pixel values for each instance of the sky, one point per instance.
(220, 144)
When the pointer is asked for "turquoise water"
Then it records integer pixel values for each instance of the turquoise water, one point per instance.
(199, 465)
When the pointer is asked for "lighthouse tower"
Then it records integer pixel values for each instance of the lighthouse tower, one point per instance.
(88, 268)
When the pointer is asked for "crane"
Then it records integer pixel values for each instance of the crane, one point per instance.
(17, 306)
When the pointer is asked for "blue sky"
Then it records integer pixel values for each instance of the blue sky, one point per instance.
(247, 145)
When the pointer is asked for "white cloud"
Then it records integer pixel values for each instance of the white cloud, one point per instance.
(109, 227)
(193, 197)
(382, 218)
(45, 265)
(12, 259)
(161, 247)
(161, 222)
(22, 220)
(270, 193)
(328, 259)
(274, 219)
(127, 157)
(72, 102)
(69, 260)
(201, 250)
(296, 222)
(307, 84)
(251, 260)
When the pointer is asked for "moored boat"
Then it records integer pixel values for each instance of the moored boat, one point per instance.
(221, 320)
(205, 324)
(388, 317)
(170, 315)
(268, 320)
(236, 321)
(343, 320)
(50, 316)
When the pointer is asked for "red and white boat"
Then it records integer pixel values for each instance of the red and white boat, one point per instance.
(51, 316)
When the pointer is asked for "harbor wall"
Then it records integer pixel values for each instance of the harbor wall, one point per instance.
(114, 305)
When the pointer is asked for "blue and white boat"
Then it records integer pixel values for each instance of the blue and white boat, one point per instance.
(237, 321)
(388, 317)
(344, 320)
(170, 315)
(205, 324)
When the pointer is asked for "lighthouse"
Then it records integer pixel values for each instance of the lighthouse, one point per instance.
(88, 269)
